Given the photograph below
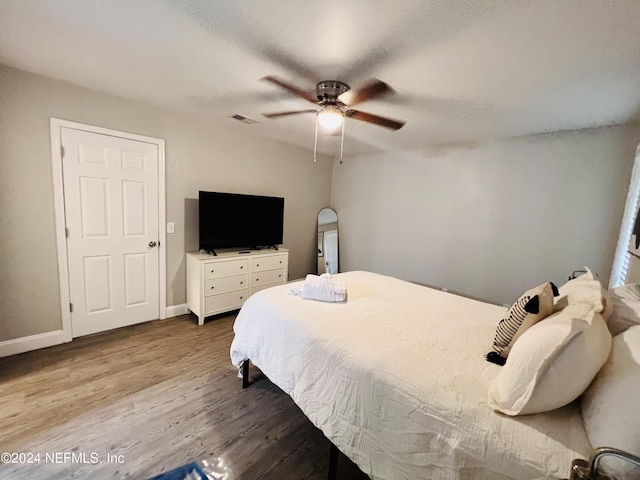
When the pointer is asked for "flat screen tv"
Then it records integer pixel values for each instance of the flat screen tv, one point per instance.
(231, 220)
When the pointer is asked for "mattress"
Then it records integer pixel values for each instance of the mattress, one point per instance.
(396, 378)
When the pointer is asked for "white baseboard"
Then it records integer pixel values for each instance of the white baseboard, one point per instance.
(33, 342)
(48, 339)
(177, 310)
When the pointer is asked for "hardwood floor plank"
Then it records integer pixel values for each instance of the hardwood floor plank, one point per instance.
(160, 395)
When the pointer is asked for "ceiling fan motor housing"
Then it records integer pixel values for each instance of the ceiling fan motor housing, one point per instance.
(326, 96)
(328, 91)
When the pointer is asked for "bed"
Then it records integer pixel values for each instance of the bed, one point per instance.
(395, 378)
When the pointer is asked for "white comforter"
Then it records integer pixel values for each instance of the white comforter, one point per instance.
(396, 379)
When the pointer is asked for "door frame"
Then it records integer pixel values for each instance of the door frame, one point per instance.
(56, 125)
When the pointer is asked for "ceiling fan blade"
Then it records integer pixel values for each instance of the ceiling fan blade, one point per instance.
(290, 88)
(375, 119)
(284, 114)
(373, 89)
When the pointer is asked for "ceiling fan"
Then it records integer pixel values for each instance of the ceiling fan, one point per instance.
(332, 110)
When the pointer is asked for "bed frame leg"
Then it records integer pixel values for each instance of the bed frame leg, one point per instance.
(245, 374)
(333, 462)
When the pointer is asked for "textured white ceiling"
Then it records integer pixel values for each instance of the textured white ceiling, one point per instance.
(462, 70)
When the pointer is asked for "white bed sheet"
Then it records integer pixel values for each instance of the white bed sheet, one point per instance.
(396, 379)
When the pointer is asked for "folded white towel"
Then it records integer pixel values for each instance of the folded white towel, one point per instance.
(323, 288)
(296, 289)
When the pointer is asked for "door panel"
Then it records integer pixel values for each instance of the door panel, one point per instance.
(111, 211)
(135, 278)
(97, 283)
(134, 200)
(94, 201)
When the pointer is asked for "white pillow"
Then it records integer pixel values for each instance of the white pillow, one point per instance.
(583, 289)
(553, 362)
(610, 404)
(623, 308)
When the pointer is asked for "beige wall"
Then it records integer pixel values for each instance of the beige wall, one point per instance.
(199, 155)
(487, 219)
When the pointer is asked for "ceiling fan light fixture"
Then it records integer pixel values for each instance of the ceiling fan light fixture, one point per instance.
(330, 117)
(333, 111)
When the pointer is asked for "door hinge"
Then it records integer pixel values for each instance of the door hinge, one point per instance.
(61, 151)
(66, 232)
(71, 307)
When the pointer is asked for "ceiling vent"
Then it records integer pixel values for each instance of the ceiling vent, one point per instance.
(243, 119)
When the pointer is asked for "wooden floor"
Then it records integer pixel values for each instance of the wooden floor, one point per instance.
(142, 400)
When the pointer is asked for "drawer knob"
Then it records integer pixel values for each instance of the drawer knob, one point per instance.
(211, 288)
(211, 271)
(257, 264)
(280, 261)
(257, 279)
(241, 267)
(278, 276)
(241, 297)
(241, 283)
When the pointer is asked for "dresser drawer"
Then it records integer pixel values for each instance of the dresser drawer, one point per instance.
(225, 301)
(268, 263)
(225, 268)
(213, 286)
(270, 276)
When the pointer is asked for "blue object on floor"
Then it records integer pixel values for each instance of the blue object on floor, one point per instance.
(181, 473)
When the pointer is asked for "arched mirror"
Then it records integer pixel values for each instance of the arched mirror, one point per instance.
(327, 241)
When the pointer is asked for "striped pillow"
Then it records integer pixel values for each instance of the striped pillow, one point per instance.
(532, 306)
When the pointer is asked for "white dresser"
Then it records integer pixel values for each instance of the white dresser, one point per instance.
(218, 284)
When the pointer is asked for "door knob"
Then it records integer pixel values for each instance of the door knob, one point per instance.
(152, 244)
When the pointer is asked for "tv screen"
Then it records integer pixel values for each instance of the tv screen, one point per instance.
(231, 220)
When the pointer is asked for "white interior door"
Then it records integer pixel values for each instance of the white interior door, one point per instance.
(331, 251)
(111, 213)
